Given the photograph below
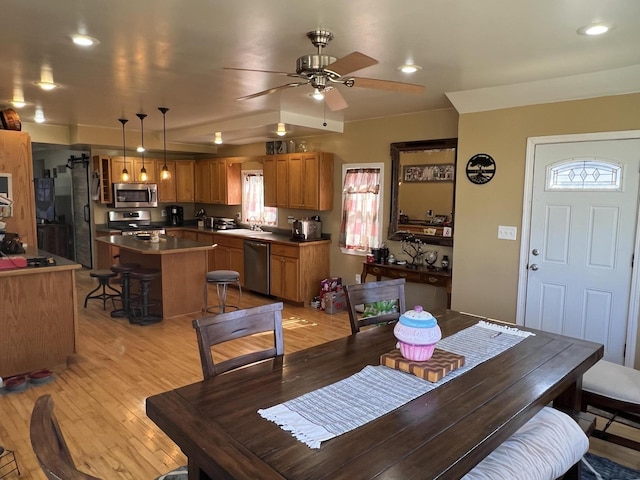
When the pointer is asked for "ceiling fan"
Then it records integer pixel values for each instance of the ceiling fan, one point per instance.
(323, 71)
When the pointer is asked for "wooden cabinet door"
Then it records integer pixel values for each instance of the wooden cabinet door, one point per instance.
(203, 181)
(282, 181)
(236, 262)
(149, 166)
(184, 180)
(285, 278)
(189, 235)
(167, 188)
(105, 254)
(269, 180)
(117, 165)
(310, 181)
(296, 181)
(205, 237)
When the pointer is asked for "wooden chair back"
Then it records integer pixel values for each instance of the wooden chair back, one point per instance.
(216, 329)
(49, 444)
(371, 292)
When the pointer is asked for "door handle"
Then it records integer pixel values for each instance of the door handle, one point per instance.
(535, 252)
(86, 214)
(533, 267)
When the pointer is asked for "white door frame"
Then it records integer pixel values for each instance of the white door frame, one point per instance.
(634, 300)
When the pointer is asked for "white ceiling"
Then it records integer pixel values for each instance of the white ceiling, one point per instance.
(483, 53)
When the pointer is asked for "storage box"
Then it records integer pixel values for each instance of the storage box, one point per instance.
(335, 302)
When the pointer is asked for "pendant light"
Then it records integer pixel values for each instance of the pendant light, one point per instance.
(217, 138)
(281, 131)
(125, 174)
(165, 174)
(143, 171)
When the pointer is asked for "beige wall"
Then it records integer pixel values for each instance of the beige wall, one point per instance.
(485, 271)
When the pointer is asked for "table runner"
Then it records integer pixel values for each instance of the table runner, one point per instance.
(330, 411)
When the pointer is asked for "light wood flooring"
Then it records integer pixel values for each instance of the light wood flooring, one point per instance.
(100, 398)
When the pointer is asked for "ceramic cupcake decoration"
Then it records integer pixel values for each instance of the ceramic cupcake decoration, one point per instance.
(417, 332)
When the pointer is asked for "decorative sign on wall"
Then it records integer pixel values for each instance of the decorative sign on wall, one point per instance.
(441, 172)
(481, 168)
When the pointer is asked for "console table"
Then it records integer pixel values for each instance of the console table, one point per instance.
(437, 278)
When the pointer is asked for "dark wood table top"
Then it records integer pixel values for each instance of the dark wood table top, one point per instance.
(442, 434)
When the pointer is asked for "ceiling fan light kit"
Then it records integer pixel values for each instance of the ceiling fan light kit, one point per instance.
(323, 71)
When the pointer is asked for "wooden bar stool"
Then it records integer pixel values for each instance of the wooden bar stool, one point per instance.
(221, 279)
(7, 458)
(124, 269)
(140, 313)
(103, 277)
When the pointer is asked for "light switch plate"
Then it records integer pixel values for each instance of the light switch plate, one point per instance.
(507, 233)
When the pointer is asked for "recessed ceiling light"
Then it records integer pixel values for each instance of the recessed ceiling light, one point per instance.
(217, 138)
(17, 103)
(39, 115)
(593, 29)
(409, 68)
(84, 40)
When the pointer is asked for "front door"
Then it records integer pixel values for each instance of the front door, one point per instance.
(581, 243)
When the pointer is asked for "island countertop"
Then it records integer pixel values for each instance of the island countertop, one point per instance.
(166, 246)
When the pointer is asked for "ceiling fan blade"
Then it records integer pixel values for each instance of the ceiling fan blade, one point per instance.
(334, 100)
(254, 70)
(350, 63)
(271, 90)
(388, 85)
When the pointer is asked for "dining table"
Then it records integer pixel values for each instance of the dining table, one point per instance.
(441, 434)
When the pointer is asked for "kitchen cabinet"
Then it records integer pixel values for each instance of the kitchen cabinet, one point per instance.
(190, 235)
(218, 181)
(179, 187)
(101, 167)
(275, 170)
(297, 270)
(134, 165)
(206, 237)
(299, 180)
(229, 254)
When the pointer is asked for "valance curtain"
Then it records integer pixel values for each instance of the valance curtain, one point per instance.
(360, 197)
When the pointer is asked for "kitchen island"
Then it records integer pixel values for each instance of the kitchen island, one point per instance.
(182, 264)
(39, 320)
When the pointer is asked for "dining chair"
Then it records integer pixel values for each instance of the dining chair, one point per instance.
(49, 444)
(216, 329)
(372, 293)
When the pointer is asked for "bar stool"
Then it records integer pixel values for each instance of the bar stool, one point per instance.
(124, 269)
(7, 457)
(103, 277)
(221, 279)
(140, 314)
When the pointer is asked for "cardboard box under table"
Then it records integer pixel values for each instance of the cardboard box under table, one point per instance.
(433, 370)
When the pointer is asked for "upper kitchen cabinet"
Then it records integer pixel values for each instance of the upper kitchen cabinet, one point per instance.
(299, 180)
(133, 165)
(101, 167)
(218, 181)
(179, 187)
(275, 170)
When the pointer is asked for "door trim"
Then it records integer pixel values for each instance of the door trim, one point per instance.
(634, 300)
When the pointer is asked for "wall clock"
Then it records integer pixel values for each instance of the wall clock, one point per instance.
(481, 168)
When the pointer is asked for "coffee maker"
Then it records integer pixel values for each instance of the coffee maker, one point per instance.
(175, 216)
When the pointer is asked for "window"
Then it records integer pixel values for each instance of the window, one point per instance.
(584, 174)
(253, 209)
(361, 226)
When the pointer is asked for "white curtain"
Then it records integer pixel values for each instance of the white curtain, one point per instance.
(360, 195)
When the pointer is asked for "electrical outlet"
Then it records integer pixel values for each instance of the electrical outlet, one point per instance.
(507, 233)
(164, 213)
(358, 278)
(290, 219)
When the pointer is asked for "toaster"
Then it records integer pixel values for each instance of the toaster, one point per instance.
(306, 230)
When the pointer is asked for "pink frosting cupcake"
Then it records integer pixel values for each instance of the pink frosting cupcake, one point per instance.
(417, 332)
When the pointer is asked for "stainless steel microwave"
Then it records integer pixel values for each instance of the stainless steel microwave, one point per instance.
(135, 195)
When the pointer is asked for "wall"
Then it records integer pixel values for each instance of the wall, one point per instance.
(485, 271)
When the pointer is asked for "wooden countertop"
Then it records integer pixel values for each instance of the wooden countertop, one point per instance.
(166, 246)
(61, 265)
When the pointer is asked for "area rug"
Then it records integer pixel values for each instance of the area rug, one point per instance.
(599, 468)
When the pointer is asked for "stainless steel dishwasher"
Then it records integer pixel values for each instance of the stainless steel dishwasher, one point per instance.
(256, 266)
